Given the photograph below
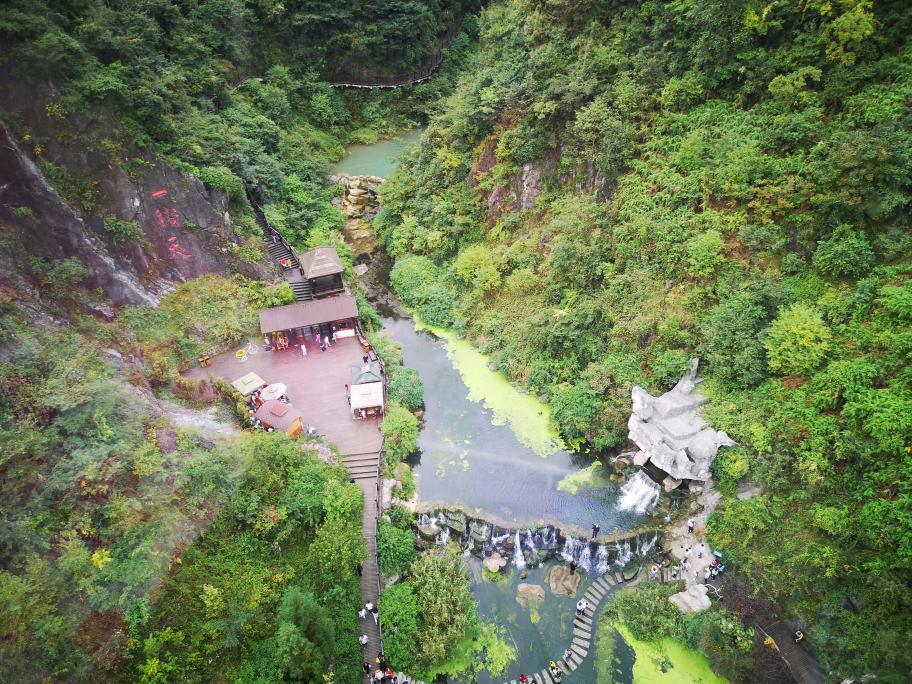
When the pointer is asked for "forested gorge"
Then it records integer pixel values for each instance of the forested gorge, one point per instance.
(604, 191)
(617, 187)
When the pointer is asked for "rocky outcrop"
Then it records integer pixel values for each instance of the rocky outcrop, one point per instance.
(692, 600)
(530, 596)
(494, 563)
(671, 433)
(563, 582)
(67, 189)
(359, 203)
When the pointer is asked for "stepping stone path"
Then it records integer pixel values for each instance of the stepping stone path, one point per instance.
(583, 629)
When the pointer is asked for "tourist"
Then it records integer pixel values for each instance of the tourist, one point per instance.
(389, 672)
(364, 359)
(572, 566)
(366, 668)
(701, 549)
(362, 613)
(303, 349)
(369, 606)
(274, 235)
(595, 530)
(522, 679)
(363, 640)
(582, 606)
(654, 572)
(690, 526)
(556, 672)
(798, 635)
(322, 346)
(674, 572)
(707, 575)
(360, 567)
(376, 614)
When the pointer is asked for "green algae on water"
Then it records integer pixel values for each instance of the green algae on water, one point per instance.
(667, 661)
(527, 417)
(595, 475)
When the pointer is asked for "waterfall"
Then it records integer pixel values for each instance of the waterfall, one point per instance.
(585, 559)
(601, 560)
(571, 548)
(624, 553)
(518, 560)
(444, 536)
(423, 519)
(646, 547)
(638, 493)
(468, 549)
(530, 542)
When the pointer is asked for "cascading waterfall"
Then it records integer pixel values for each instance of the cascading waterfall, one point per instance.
(601, 560)
(585, 559)
(530, 543)
(624, 553)
(518, 559)
(444, 536)
(638, 493)
(646, 547)
(571, 549)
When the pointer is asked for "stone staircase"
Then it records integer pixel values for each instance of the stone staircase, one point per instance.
(362, 466)
(279, 249)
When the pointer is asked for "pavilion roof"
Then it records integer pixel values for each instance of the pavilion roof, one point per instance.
(321, 261)
(328, 310)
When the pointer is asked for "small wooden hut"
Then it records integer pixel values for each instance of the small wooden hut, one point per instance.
(280, 416)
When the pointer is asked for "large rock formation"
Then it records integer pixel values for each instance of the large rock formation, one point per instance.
(66, 179)
(692, 600)
(671, 433)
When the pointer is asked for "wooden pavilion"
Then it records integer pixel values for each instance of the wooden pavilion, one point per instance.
(322, 268)
(337, 315)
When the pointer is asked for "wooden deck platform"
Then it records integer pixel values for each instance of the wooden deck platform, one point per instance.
(316, 387)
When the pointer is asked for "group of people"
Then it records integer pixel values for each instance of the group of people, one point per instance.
(553, 669)
(381, 673)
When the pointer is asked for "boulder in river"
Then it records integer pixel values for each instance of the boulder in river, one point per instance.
(561, 581)
(672, 434)
(530, 596)
(494, 562)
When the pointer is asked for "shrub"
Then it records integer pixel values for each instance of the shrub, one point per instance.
(669, 366)
(406, 387)
(477, 267)
(395, 549)
(704, 253)
(845, 253)
(400, 432)
(399, 608)
(122, 232)
(732, 349)
(222, 178)
(798, 340)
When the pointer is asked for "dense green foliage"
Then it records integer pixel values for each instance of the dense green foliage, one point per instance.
(649, 616)
(292, 522)
(400, 433)
(614, 188)
(405, 387)
(396, 544)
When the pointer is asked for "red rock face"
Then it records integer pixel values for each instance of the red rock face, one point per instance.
(185, 229)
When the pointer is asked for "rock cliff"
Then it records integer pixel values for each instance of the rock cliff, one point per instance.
(67, 189)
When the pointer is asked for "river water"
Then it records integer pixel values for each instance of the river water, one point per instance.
(378, 159)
